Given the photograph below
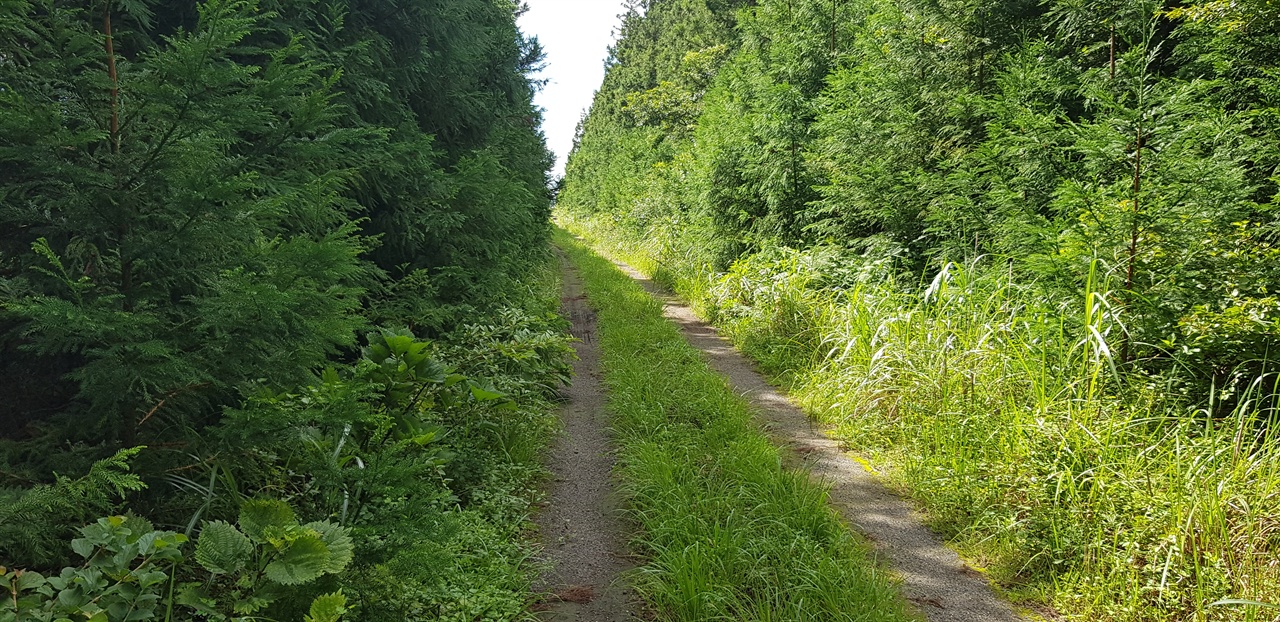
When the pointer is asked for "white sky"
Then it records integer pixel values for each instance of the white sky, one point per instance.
(575, 34)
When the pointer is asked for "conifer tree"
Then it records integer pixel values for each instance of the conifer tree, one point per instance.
(173, 224)
(1139, 134)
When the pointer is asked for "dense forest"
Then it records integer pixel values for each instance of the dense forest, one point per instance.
(1023, 252)
(278, 330)
(270, 284)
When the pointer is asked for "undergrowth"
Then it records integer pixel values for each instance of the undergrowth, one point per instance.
(729, 534)
(1109, 494)
(426, 453)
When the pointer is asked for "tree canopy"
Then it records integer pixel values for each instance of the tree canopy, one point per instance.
(198, 199)
(1140, 135)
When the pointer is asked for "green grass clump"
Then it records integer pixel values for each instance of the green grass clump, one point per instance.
(1109, 494)
(729, 534)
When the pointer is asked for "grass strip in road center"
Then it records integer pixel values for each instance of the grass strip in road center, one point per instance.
(727, 532)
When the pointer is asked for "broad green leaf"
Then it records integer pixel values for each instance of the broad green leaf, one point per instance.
(329, 376)
(83, 547)
(28, 580)
(148, 579)
(137, 526)
(250, 604)
(483, 394)
(336, 538)
(304, 559)
(257, 515)
(327, 608)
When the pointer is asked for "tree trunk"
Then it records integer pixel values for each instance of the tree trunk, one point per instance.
(833, 26)
(1113, 51)
(1135, 230)
(115, 81)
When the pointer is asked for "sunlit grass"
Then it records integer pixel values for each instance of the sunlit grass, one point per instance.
(727, 533)
(1105, 493)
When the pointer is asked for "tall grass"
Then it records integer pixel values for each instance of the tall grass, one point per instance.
(727, 532)
(1106, 493)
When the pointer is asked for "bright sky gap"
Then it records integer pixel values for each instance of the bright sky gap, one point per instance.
(576, 35)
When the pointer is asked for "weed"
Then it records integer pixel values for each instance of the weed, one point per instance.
(1109, 494)
(728, 533)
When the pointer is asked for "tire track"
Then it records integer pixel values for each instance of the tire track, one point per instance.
(582, 530)
(934, 578)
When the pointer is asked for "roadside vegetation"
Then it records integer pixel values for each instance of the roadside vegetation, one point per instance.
(277, 336)
(1022, 254)
(1009, 430)
(726, 532)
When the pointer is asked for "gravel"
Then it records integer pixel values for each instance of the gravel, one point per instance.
(582, 529)
(934, 578)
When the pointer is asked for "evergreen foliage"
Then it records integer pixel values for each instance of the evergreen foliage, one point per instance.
(34, 522)
(204, 208)
(1138, 134)
(837, 165)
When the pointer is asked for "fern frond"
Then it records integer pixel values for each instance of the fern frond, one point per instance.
(222, 549)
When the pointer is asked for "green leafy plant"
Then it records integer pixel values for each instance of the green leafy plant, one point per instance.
(527, 351)
(128, 566)
(413, 380)
(131, 571)
(252, 566)
(203, 206)
(1052, 307)
(35, 523)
